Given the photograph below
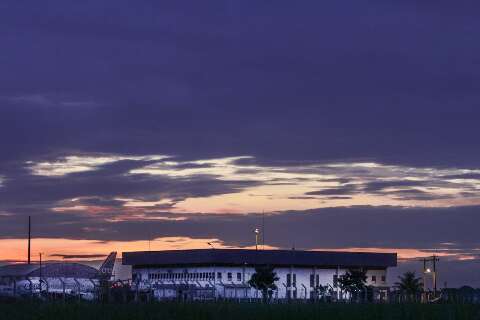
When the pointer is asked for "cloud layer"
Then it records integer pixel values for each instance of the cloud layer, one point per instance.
(351, 123)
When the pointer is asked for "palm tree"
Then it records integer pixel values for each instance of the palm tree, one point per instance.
(264, 280)
(353, 282)
(409, 284)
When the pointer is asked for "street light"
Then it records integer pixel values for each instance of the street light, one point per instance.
(257, 232)
(430, 271)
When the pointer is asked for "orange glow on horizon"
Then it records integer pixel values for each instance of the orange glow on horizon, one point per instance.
(15, 249)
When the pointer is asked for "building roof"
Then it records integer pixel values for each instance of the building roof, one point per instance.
(17, 270)
(52, 270)
(260, 257)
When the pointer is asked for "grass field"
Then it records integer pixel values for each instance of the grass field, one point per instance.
(232, 311)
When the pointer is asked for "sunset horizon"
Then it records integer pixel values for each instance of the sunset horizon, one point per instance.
(337, 126)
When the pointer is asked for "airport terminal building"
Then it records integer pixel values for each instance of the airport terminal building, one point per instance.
(18, 280)
(224, 273)
(54, 279)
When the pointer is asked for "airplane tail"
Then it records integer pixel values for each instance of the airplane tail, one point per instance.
(106, 269)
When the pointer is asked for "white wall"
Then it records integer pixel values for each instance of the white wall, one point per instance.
(303, 288)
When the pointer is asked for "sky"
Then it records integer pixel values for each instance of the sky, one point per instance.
(344, 125)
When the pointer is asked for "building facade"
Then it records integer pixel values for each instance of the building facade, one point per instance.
(224, 273)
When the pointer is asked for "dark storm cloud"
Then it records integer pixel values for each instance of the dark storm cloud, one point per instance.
(415, 194)
(247, 171)
(343, 190)
(97, 201)
(100, 187)
(378, 186)
(192, 165)
(230, 77)
(337, 197)
(301, 198)
(289, 83)
(475, 176)
(358, 226)
(406, 189)
(397, 189)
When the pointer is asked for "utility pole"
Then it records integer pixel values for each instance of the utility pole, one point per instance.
(29, 237)
(433, 261)
(40, 254)
(424, 274)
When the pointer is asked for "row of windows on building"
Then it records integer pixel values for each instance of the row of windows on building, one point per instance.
(315, 280)
(199, 276)
(205, 276)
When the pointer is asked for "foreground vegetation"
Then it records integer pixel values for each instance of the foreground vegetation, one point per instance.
(233, 311)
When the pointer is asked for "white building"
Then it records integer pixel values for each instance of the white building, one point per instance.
(224, 273)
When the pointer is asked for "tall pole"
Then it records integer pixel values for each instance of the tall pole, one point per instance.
(29, 236)
(424, 277)
(263, 230)
(40, 272)
(435, 275)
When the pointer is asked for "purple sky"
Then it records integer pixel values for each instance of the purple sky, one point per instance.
(351, 124)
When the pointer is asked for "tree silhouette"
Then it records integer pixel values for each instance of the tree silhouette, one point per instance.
(409, 284)
(264, 280)
(353, 282)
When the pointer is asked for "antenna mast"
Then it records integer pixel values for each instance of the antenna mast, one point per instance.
(29, 237)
